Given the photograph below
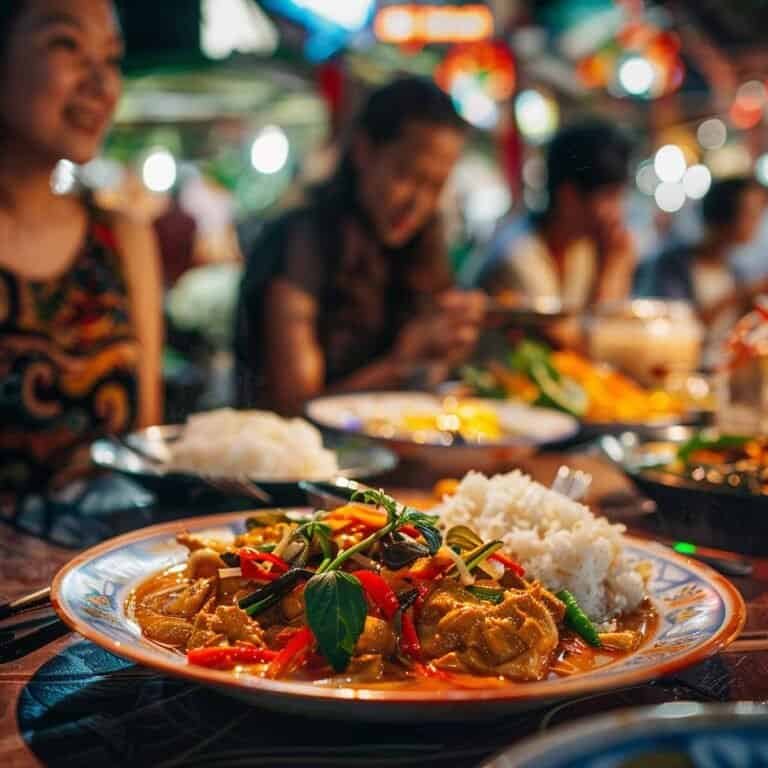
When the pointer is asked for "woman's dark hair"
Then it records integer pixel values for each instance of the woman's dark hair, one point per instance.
(383, 118)
(720, 205)
(590, 155)
(10, 10)
(390, 108)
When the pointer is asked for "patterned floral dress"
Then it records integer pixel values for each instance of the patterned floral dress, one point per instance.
(68, 367)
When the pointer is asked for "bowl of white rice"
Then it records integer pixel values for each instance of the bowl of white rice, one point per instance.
(230, 444)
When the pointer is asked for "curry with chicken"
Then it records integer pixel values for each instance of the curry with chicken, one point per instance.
(371, 594)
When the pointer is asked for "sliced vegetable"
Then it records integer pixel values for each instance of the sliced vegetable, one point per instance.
(398, 554)
(463, 537)
(293, 655)
(409, 638)
(465, 577)
(379, 592)
(336, 611)
(226, 658)
(250, 565)
(577, 620)
(480, 554)
(270, 594)
(559, 391)
(508, 563)
(488, 594)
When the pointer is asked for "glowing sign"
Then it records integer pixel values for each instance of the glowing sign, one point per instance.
(402, 24)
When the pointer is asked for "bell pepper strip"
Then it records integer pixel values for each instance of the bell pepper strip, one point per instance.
(250, 567)
(577, 620)
(379, 593)
(358, 513)
(226, 658)
(293, 655)
(508, 563)
(410, 644)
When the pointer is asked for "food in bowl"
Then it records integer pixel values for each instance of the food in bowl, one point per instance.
(375, 594)
(565, 380)
(730, 462)
(257, 444)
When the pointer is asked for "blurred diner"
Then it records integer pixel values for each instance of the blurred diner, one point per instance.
(703, 272)
(80, 318)
(578, 250)
(354, 290)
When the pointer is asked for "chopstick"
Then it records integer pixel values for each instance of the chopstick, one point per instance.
(26, 603)
(23, 637)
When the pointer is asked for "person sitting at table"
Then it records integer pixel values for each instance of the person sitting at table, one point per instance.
(702, 272)
(354, 290)
(80, 321)
(578, 250)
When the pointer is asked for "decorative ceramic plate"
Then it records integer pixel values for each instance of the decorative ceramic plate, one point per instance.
(681, 733)
(699, 612)
(379, 415)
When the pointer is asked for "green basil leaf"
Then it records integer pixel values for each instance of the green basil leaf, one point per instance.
(432, 537)
(379, 499)
(336, 611)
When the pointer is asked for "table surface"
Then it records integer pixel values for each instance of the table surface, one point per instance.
(71, 704)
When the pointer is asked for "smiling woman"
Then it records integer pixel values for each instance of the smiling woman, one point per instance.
(80, 323)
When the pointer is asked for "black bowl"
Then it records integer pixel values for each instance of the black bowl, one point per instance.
(688, 510)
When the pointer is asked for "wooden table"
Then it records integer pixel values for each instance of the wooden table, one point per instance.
(71, 704)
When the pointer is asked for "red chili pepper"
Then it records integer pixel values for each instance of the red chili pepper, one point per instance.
(508, 563)
(409, 639)
(379, 592)
(409, 530)
(249, 565)
(418, 603)
(293, 655)
(226, 658)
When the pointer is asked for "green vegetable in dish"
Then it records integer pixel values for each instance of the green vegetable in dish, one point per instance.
(494, 596)
(577, 620)
(702, 442)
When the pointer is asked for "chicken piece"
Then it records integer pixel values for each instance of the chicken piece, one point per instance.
(377, 637)
(203, 563)
(228, 623)
(236, 624)
(168, 630)
(368, 668)
(292, 605)
(515, 638)
(620, 641)
(204, 632)
(553, 604)
(188, 601)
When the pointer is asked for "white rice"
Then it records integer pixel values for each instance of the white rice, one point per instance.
(259, 444)
(558, 541)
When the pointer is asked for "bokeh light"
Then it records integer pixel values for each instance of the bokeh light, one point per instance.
(270, 150)
(159, 170)
(697, 181)
(712, 133)
(646, 178)
(670, 196)
(537, 115)
(669, 163)
(761, 169)
(636, 75)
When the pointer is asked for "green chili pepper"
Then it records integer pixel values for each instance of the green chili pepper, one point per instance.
(577, 620)
(494, 596)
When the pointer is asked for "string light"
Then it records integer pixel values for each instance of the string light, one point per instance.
(669, 163)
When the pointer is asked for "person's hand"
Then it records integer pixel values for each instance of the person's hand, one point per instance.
(447, 332)
(618, 260)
